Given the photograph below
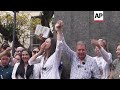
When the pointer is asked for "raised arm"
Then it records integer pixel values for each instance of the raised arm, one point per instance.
(37, 57)
(8, 49)
(59, 44)
(59, 28)
(107, 56)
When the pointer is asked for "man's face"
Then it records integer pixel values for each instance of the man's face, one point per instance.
(81, 51)
(5, 60)
(19, 50)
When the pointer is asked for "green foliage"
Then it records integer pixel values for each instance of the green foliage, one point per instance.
(34, 22)
(22, 25)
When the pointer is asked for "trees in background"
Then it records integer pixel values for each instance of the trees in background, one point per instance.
(23, 24)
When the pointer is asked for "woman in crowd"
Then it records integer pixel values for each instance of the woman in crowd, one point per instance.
(35, 50)
(103, 57)
(48, 59)
(22, 70)
(115, 66)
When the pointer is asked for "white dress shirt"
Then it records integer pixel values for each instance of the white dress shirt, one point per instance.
(104, 62)
(81, 71)
(49, 69)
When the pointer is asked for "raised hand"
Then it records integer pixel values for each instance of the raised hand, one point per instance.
(40, 37)
(8, 49)
(42, 47)
(59, 25)
(95, 42)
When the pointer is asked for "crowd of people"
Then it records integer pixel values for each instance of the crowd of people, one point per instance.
(45, 62)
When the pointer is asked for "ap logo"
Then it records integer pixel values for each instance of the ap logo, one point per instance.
(98, 16)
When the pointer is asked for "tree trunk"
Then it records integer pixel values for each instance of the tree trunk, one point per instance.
(45, 18)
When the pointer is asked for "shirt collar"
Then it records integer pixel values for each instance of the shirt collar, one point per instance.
(5, 66)
(84, 59)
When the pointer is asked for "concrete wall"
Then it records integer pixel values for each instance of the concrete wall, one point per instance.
(80, 25)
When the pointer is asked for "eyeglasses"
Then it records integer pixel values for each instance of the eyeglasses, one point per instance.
(35, 51)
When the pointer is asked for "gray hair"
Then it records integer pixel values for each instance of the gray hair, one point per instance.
(81, 43)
